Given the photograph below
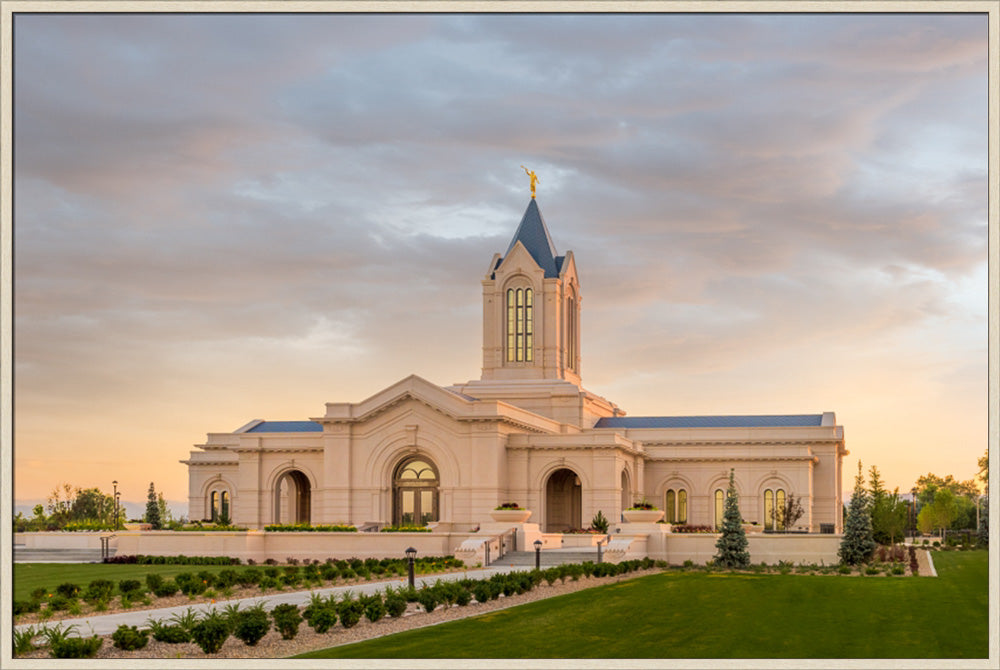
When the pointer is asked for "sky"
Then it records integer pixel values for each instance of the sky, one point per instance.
(220, 218)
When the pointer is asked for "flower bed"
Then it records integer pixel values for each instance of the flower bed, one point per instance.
(687, 528)
(306, 528)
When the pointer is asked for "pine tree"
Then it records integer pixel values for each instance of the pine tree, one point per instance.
(153, 509)
(983, 534)
(732, 544)
(858, 544)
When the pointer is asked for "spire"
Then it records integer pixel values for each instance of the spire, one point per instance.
(533, 234)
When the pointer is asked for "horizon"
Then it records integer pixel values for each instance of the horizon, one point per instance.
(771, 214)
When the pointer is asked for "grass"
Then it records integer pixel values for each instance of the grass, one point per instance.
(705, 615)
(30, 576)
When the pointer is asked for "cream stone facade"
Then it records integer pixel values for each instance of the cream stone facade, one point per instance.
(526, 432)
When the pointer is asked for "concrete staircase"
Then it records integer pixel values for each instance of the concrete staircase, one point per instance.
(23, 554)
(549, 557)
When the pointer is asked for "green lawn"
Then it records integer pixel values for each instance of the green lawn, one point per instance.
(30, 576)
(712, 615)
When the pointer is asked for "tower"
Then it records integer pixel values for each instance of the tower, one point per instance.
(531, 330)
(531, 308)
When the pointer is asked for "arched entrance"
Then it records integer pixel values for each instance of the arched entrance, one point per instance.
(415, 492)
(292, 498)
(626, 491)
(563, 501)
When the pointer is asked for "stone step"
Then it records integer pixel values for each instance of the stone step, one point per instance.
(547, 558)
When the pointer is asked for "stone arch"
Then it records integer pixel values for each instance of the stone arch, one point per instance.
(383, 460)
(721, 481)
(625, 482)
(217, 495)
(563, 500)
(415, 491)
(682, 501)
(291, 487)
(772, 490)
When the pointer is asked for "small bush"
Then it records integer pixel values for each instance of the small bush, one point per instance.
(153, 581)
(844, 569)
(129, 638)
(286, 620)
(395, 603)
(210, 633)
(128, 586)
(99, 589)
(428, 599)
(59, 602)
(166, 589)
(350, 611)
(170, 634)
(26, 606)
(323, 618)
(24, 641)
(76, 647)
(68, 590)
(374, 607)
(252, 624)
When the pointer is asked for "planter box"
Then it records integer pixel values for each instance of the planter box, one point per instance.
(643, 515)
(510, 515)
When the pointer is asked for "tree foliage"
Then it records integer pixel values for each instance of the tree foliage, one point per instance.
(153, 509)
(784, 516)
(731, 547)
(857, 544)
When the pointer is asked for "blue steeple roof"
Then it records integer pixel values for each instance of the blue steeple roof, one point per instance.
(533, 234)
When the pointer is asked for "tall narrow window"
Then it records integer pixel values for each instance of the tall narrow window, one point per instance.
(779, 508)
(520, 324)
(720, 505)
(215, 506)
(224, 505)
(768, 509)
(671, 506)
(511, 329)
(571, 333)
(682, 506)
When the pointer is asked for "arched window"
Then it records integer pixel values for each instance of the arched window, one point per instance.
(774, 505)
(520, 324)
(571, 333)
(224, 505)
(676, 506)
(415, 493)
(720, 506)
(214, 506)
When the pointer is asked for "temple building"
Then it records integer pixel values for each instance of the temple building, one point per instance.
(526, 431)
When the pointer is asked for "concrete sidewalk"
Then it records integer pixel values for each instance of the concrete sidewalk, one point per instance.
(107, 623)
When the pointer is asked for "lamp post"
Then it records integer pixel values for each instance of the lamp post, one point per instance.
(115, 485)
(411, 556)
(538, 554)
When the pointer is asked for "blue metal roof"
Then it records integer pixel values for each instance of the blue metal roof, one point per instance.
(287, 427)
(762, 421)
(533, 234)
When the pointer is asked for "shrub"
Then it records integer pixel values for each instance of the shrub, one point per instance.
(99, 589)
(322, 617)
(374, 607)
(129, 638)
(350, 611)
(226, 578)
(464, 597)
(171, 634)
(286, 620)
(68, 590)
(249, 577)
(166, 589)
(395, 603)
(482, 592)
(153, 581)
(76, 647)
(210, 633)
(873, 569)
(26, 606)
(252, 624)
(844, 569)
(428, 598)
(58, 602)
(127, 586)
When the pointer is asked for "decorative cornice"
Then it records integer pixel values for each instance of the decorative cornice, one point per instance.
(275, 450)
(212, 463)
(729, 443)
(725, 459)
(575, 447)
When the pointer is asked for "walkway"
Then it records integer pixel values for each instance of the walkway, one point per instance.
(107, 623)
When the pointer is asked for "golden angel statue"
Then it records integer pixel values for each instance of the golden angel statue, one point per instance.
(534, 180)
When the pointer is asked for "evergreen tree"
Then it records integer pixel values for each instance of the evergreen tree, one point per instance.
(165, 515)
(857, 545)
(153, 509)
(732, 544)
